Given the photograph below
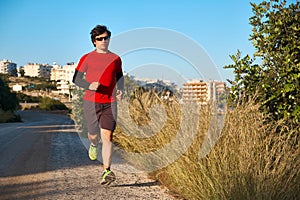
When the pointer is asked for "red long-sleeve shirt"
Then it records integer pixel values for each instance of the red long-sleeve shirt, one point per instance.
(105, 69)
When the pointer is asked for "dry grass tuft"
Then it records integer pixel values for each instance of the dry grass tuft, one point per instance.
(252, 159)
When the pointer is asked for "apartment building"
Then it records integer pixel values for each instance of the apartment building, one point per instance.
(63, 75)
(219, 88)
(37, 70)
(202, 92)
(8, 67)
(196, 91)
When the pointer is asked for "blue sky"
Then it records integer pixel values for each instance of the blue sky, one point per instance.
(47, 31)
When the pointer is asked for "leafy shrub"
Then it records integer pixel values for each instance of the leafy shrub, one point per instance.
(28, 99)
(51, 104)
(275, 82)
(8, 99)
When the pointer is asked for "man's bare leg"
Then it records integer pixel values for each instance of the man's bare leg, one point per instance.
(108, 176)
(106, 136)
(93, 138)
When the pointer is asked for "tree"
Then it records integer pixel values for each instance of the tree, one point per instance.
(22, 72)
(51, 104)
(129, 86)
(8, 100)
(275, 81)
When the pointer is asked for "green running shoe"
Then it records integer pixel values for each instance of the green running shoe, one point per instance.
(107, 177)
(93, 152)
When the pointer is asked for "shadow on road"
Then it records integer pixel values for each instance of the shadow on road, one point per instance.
(145, 184)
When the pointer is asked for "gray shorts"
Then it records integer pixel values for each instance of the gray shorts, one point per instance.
(100, 115)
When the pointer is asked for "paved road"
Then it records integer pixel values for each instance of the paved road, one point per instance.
(43, 158)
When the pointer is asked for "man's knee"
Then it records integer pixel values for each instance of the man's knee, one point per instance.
(107, 133)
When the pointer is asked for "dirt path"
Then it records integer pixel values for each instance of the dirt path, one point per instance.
(43, 158)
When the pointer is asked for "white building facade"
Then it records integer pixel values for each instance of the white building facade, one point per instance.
(202, 92)
(8, 67)
(37, 70)
(64, 76)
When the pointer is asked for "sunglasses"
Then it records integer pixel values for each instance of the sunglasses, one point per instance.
(102, 38)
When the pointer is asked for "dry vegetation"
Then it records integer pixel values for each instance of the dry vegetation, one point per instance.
(252, 159)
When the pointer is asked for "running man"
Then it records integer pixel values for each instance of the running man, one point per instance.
(103, 72)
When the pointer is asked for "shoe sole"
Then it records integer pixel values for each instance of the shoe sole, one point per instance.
(108, 180)
(107, 183)
(92, 159)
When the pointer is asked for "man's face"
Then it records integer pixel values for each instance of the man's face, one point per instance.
(102, 41)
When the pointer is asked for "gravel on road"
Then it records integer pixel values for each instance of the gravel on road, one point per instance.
(44, 158)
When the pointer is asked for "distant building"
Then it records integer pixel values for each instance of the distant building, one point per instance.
(156, 83)
(8, 67)
(219, 89)
(196, 91)
(63, 75)
(37, 70)
(202, 92)
(17, 88)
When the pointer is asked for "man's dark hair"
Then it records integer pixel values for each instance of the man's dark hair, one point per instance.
(98, 30)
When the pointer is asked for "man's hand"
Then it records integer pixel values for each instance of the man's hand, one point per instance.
(119, 95)
(94, 86)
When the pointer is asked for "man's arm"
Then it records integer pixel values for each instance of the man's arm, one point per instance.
(120, 81)
(120, 85)
(79, 81)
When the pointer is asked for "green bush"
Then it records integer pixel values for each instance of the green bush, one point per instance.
(77, 111)
(15, 118)
(275, 81)
(28, 99)
(8, 99)
(51, 104)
